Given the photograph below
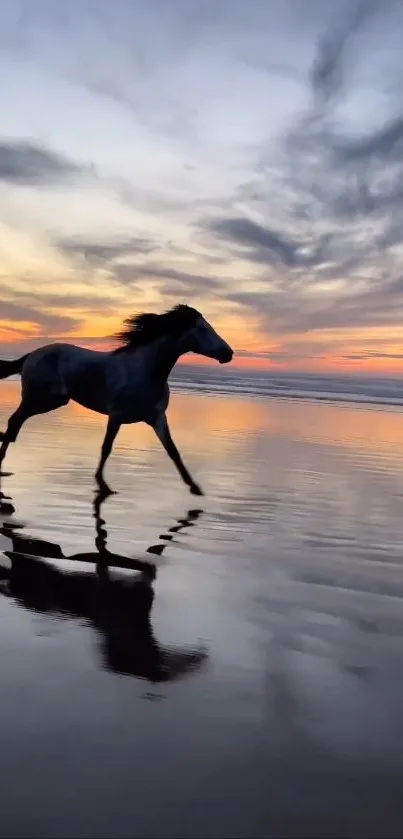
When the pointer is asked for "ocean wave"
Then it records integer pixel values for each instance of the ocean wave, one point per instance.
(365, 391)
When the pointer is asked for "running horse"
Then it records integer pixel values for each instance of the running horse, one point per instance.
(128, 384)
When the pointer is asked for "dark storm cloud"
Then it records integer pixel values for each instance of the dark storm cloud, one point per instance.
(25, 163)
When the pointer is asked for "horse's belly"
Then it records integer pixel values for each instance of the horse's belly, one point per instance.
(140, 404)
(129, 409)
(90, 401)
(88, 389)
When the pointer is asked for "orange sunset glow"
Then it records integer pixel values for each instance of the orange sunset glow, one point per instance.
(252, 351)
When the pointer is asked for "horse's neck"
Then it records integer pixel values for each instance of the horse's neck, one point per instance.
(163, 356)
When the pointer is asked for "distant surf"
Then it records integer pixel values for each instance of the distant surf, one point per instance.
(366, 390)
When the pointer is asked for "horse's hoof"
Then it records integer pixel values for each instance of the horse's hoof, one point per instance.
(107, 491)
(104, 492)
(6, 509)
(195, 490)
(103, 489)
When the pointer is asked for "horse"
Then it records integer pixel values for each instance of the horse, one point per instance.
(128, 384)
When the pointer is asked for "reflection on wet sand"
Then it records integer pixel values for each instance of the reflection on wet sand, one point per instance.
(119, 609)
(294, 574)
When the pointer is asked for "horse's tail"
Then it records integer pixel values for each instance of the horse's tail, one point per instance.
(10, 368)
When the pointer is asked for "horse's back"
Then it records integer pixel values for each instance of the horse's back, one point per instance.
(60, 360)
(68, 372)
(105, 382)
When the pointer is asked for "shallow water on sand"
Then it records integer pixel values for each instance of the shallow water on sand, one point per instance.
(260, 692)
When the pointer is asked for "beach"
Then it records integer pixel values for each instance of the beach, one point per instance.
(255, 686)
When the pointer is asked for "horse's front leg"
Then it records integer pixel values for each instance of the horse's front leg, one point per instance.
(161, 429)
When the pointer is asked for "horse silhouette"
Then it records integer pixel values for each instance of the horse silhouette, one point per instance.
(128, 385)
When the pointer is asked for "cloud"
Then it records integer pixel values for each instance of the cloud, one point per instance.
(261, 243)
(385, 144)
(106, 251)
(330, 200)
(46, 321)
(335, 170)
(281, 356)
(329, 69)
(368, 356)
(289, 179)
(88, 303)
(301, 309)
(182, 278)
(25, 163)
(170, 281)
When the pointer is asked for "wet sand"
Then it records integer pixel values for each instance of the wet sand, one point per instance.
(255, 686)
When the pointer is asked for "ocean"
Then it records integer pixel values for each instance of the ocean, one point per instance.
(367, 390)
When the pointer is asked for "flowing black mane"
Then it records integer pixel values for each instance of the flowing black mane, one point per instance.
(147, 326)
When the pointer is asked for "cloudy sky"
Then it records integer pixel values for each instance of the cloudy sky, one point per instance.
(243, 156)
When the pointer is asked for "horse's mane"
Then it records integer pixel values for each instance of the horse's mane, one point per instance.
(146, 327)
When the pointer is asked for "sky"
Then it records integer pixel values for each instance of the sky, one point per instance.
(245, 158)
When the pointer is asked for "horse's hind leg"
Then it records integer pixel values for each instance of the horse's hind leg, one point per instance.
(25, 410)
(13, 427)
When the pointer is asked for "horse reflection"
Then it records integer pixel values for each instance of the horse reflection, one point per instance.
(119, 609)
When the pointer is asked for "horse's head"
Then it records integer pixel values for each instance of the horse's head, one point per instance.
(202, 339)
(184, 327)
